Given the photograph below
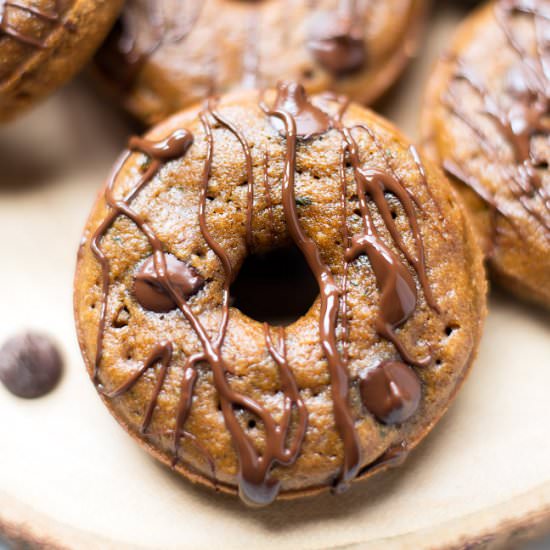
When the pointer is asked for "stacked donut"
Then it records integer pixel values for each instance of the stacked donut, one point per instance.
(261, 142)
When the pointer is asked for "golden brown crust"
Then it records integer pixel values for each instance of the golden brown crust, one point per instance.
(516, 242)
(31, 71)
(176, 76)
(455, 274)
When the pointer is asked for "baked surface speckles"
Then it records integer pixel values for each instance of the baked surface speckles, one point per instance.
(233, 403)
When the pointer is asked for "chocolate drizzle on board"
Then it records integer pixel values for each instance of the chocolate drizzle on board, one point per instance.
(51, 17)
(528, 116)
(398, 290)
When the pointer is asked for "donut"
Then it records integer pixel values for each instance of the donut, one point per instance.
(156, 64)
(485, 121)
(344, 391)
(43, 43)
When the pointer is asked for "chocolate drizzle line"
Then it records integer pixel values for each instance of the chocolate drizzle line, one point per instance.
(398, 292)
(249, 171)
(329, 295)
(517, 126)
(52, 17)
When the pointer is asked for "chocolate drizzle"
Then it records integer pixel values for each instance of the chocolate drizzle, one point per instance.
(51, 17)
(296, 117)
(528, 86)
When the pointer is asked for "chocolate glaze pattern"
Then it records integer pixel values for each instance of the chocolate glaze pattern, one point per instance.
(297, 119)
(528, 87)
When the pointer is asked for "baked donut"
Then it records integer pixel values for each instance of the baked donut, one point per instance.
(346, 390)
(486, 121)
(157, 65)
(43, 43)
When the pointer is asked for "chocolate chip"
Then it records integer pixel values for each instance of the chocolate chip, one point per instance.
(337, 43)
(293, 99)
(30, 365)
(391, 392)
(150, 292)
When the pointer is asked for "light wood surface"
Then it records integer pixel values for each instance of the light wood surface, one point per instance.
(69, 476)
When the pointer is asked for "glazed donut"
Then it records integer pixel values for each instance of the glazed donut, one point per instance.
(486, 122)
(157, 65)
(43, 43)
(347, 389)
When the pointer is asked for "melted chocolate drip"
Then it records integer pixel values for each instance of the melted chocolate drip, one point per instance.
(392, 458)
(391, 392)
(528, 84)
(309, 120)
(51, 17)
(337, 40)
(149, 291)
(30, 365)
(298, 118)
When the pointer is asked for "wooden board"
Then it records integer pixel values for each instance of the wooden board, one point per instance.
(69, 476)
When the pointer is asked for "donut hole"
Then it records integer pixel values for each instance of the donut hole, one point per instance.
(276, 287)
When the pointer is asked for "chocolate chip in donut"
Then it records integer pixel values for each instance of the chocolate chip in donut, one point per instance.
(151, 292)
(337, 43)
(391, 392)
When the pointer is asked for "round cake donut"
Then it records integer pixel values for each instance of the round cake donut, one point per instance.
(157, 64)
(347, 389)
(486, 121)
(43, 43)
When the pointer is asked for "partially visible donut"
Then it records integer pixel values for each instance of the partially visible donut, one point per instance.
(346, 390)
(43, 43)
(487, 122)
(158, 64)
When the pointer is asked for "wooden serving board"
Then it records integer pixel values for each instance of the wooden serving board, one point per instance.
(70, 477)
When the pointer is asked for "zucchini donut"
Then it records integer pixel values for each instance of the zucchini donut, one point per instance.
(167, 54)
(43, 43)
(486, 121)
(348, 388)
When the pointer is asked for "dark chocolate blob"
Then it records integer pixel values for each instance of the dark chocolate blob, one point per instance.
(337, 43)
(309, 119)
(391, 392)
(30, 365)
(151, 294)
